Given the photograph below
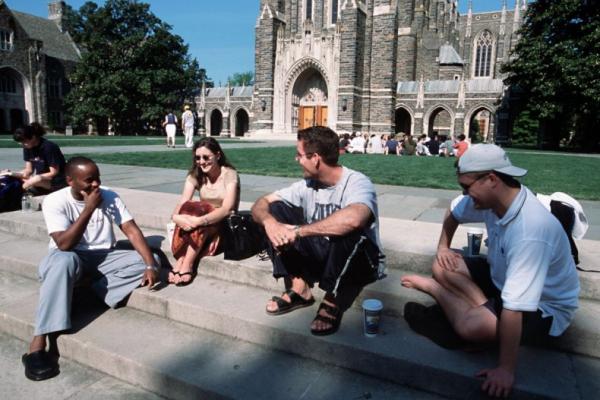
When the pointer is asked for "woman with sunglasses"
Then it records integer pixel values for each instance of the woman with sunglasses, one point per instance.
(44, 170)
(198, 223)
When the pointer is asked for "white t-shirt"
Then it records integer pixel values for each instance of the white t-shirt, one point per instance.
(530, 258)
(61, 211)
(188, 119)
(319, 202)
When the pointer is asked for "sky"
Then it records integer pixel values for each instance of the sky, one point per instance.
(219, 33)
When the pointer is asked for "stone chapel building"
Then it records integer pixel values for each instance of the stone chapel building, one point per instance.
(374, 66)
(36, 57)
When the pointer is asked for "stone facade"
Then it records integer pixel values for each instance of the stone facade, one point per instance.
(36, 57)
(381, 66)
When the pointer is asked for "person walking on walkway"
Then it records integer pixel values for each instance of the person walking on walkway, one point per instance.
(170, 125)
(187, 125)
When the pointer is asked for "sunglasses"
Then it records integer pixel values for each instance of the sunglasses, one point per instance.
(203, 157)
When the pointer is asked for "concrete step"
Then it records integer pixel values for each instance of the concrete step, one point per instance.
(179, 361)
(211, 340)
(75, 381)
(255, 272)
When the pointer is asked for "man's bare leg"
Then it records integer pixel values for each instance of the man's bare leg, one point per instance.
(473, 323)
(459, 283)
(299, 286)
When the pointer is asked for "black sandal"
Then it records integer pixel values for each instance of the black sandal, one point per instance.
(192, 275)
(296, 302)
(334, 319)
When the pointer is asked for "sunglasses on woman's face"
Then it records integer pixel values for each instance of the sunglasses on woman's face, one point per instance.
(203, 157)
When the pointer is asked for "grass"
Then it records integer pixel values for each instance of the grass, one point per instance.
(547, 173)
(81, 141)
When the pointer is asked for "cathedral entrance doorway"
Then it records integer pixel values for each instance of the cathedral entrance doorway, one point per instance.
(309, 100)
(241, 122)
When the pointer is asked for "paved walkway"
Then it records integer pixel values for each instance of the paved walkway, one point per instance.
(418, 204)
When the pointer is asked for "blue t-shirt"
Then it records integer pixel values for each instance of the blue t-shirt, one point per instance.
(43, 156)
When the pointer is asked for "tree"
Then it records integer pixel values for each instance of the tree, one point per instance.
(133, 69)
(556, 66)
(241, 79)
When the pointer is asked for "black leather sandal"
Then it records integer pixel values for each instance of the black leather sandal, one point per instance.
(335, 319)
(296, 302)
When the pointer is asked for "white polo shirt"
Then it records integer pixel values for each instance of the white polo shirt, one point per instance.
(530, 258)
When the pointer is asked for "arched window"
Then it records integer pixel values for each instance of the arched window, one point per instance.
(484, 46)
(7, 85)
(308, 9)
(335, 9)
(6, 39)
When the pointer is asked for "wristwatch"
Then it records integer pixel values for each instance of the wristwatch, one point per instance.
(152, 267)
(296, 232)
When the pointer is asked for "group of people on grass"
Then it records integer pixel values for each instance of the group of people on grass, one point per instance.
(403, 144)
(323, 229)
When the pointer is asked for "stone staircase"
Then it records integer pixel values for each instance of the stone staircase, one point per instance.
(213, 339)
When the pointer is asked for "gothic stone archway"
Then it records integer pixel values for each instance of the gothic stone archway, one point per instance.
(403, 121)
(216, 123)
(309, 100)
(13, 99)
(242, 121)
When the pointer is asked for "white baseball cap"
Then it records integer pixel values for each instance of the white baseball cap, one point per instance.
(487, 157)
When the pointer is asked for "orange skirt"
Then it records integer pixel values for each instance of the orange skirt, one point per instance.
(205, 238)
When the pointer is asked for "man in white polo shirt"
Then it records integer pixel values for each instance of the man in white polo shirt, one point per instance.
(527, 289)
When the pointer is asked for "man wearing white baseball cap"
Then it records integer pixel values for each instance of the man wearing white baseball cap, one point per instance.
(526, 290)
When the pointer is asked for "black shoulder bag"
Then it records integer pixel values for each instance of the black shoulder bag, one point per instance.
(242, 237)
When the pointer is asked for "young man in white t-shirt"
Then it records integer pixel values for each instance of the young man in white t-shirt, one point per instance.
(323, 228)
(527, 289)
(187, 125)
(80, 222)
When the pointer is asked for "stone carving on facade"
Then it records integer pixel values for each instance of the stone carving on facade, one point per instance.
(462, 90)
(421, 93)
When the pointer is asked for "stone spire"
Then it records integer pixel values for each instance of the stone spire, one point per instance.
(517, 16)
(503, 19)
(469, 19)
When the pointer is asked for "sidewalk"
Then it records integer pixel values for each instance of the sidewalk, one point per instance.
(409, 203)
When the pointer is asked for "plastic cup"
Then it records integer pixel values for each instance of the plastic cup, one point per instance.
(474, 238)
(372, 315)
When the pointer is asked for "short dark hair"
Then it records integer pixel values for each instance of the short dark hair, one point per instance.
(321, 140)
(76, 162)
(28, 132)
(461, 137)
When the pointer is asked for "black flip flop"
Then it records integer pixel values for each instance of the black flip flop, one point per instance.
(296, 302)
(181, 274)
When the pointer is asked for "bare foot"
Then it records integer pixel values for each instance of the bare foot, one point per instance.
(421, 283)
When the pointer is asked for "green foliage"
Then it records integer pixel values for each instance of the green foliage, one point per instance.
(525, 129)
(548, 173)
(556, 66)
(241, 79)
(133, 69)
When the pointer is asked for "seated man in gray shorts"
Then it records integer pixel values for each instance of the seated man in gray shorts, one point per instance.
(80, 221)
(527, 289)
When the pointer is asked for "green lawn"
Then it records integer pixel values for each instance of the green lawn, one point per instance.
(547, 173)
(81, 141)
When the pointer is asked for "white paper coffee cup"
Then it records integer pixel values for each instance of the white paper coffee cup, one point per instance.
(371, 316)
(474, 238)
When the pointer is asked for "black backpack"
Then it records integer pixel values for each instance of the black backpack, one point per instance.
(11, 191)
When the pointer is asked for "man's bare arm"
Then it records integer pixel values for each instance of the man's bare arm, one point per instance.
(500, 380)
(136, 237)
(446, 257)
